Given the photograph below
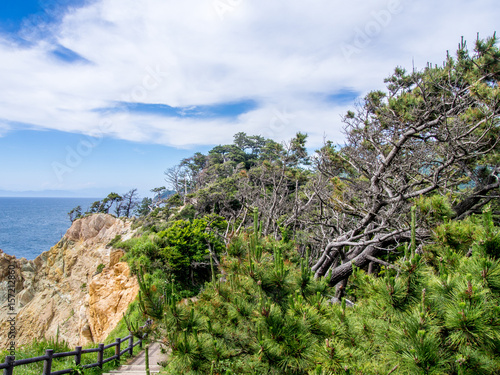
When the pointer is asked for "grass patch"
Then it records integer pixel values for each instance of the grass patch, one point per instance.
(38, 348)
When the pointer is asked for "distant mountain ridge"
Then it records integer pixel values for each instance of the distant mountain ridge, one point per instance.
(41, 194)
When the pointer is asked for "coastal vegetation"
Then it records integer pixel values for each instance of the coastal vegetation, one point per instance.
(379, 256)
(434, 312)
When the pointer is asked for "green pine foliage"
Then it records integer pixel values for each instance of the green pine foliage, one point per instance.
(262, 318)
(436, 312)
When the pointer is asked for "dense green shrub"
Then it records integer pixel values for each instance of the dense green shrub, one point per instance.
(266, 314)
(180, 252)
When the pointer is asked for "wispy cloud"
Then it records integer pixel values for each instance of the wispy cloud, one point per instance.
(185, 76)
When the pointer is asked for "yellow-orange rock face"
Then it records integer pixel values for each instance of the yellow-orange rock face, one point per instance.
(62, 290)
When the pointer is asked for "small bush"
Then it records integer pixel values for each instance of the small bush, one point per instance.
(115, 240)
(99, 269)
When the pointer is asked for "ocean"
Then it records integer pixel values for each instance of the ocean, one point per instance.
(30, 226)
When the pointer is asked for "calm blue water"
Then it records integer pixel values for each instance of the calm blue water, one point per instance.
(30, 226)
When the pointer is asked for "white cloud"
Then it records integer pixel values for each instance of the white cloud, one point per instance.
(199, 52)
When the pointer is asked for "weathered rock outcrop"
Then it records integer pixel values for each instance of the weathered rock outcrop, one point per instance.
(80, 287)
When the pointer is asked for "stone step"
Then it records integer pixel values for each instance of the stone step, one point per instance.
(137, 368)
(141, 371)
(134, 370)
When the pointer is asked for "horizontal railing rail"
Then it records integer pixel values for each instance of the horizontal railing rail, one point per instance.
(11, 363)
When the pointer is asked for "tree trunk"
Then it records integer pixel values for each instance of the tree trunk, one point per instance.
(340, 289)
(473, 201)
(370, 268)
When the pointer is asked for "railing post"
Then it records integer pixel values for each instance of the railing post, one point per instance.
(100, 355)
(9, 360)
(131, 344)
(47, 364)
(117, 351)
(78, 355)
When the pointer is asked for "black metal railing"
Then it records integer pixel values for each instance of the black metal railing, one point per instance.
(10, 361)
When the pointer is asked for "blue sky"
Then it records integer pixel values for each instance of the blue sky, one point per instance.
(13, 12)
(104, 95)
(67, 161)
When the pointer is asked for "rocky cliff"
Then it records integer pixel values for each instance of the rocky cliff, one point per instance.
(80, 287)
